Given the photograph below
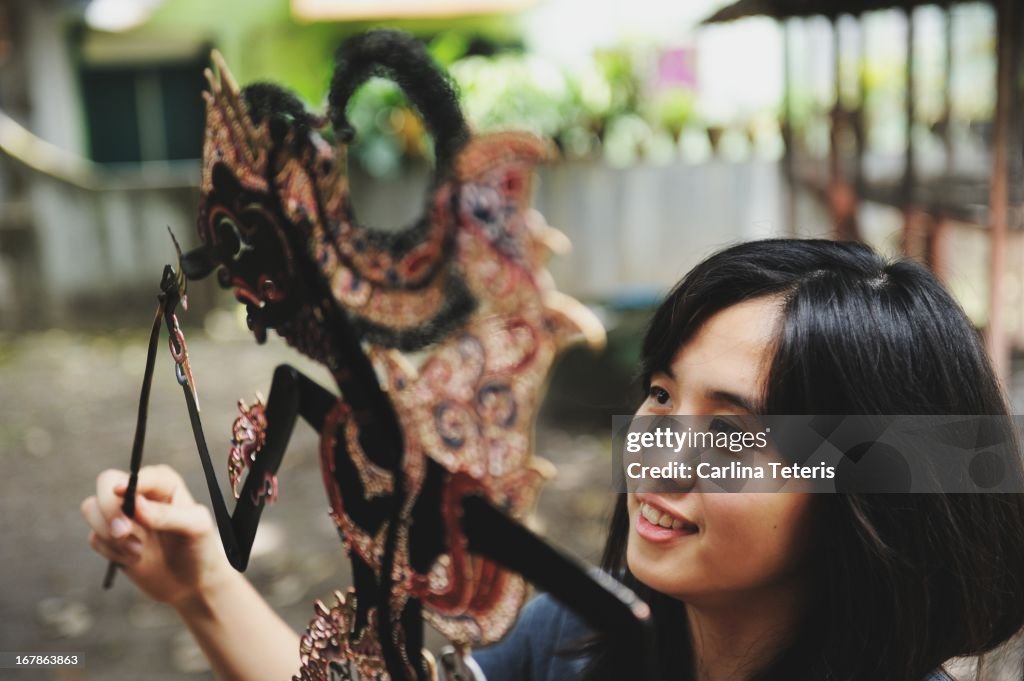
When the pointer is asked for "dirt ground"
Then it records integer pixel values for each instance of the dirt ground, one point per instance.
(68, 412)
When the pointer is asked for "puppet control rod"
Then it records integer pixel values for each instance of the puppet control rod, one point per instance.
(173, 285)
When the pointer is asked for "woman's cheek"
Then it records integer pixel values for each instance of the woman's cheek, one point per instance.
(755, 539)
(746, 541)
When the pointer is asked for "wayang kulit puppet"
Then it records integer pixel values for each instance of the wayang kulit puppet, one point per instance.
(440, 338)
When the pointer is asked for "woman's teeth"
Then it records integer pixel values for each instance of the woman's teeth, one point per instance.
(656, 517)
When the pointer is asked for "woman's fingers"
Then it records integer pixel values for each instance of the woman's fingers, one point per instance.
(127, 552)
(190, 519)
(109, 503)
(162, 503)
(159, 482)
(95, 518)
(109, 538)
(118, 527)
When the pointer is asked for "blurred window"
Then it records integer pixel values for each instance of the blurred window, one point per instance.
(144, 112)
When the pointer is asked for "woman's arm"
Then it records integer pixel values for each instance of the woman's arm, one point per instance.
(172, 552)
(244, 639)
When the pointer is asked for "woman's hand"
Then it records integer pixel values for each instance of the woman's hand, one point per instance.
(170, 549)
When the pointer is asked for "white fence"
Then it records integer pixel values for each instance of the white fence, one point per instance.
(633, 229)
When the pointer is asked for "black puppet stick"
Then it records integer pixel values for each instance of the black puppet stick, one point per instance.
(128, 506)
(172, 290)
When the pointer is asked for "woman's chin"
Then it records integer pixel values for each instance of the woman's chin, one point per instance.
(648, 564)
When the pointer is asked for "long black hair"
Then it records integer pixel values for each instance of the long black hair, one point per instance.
(902, 582)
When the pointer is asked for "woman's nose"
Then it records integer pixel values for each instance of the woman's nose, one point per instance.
(668, 470)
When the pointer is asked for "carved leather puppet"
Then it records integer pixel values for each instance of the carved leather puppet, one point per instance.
(439, 337)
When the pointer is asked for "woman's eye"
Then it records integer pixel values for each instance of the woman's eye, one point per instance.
(732, 438)
(659, 395)
(720, 425)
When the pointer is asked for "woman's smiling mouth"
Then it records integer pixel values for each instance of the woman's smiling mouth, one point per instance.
(656, 525)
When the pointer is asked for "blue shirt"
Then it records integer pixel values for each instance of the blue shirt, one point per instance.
(531, 651)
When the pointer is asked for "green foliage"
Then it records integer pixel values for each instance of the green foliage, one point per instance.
(593, 110)
(513, 92)
(672, 109)
(387, 129)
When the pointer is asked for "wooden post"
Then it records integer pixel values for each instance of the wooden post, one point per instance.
(937, 247)
(842, 197)
(835, 125)
(788, 162)
(907, 189)
(995, 332)
(860, 118)
(834, 131)
(947, 104)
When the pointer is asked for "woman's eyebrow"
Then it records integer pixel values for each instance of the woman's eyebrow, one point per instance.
(746, 404)
(665, 371)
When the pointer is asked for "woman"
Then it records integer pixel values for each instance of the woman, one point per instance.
(797, 586)
(742, 586)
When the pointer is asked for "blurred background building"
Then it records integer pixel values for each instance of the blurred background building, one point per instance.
(103, 124)
(682, 127)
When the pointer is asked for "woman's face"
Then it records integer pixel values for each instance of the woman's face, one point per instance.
(732, 544)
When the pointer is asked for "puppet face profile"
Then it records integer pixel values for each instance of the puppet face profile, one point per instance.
(252, 252)
(246, 234)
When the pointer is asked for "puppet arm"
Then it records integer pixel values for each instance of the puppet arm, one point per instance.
(606, 606)
(292, 394)
(239, 633)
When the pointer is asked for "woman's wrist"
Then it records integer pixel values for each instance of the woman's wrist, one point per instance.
(200, 601)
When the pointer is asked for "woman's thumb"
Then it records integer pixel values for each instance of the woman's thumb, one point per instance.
(190, 519)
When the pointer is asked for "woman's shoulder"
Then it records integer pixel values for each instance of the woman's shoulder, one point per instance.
(544, 612)
(539, 647)
(939, 675)
(535, 649)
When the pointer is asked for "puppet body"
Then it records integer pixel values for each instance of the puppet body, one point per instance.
(440, 339)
